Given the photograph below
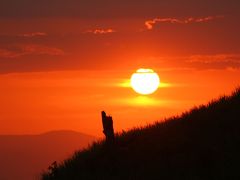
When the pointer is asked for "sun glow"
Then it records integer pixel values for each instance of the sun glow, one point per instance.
(145, 81)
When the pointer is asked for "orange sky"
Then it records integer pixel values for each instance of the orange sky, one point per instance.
(39, 102)
(62, 63)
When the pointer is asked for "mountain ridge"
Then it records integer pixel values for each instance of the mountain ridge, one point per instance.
(24, 157)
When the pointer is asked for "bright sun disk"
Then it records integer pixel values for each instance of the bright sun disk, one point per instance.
(145, 81)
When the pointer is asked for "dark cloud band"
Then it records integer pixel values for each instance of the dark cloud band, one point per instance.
(115, 9)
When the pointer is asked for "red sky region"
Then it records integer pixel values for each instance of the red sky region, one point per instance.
(62, 63)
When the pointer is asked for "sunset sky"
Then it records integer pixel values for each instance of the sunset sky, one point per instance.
(63, 62)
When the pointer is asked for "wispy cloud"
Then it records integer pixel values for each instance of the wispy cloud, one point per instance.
(101, 31)
(230, 62)
(30, 49)
(150, 23)
(33, 34)
(217, 58)
(5, 53)
(185, 63)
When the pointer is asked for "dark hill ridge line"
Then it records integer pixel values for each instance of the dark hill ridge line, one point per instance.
(64, 132)
(54, 132)
(203, 143)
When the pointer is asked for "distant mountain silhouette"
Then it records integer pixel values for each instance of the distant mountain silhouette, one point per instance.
(24, 157)
(201, 144)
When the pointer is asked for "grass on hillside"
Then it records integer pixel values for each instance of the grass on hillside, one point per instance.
(203, 143)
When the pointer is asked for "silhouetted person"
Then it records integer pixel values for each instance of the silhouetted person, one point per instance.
(108, 127)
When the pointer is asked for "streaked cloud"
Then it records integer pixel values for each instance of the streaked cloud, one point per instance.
(30, 49)
(33, 34)
(217, 58)
(230, 62)
(101, 31)
(191, 63)
(150, 23)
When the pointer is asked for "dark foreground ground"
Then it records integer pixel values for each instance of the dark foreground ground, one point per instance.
(203, 143)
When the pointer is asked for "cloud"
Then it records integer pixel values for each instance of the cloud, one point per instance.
(4, 53)
(184, 63)
(230, 62)
(217, 58)
(101, 31)
(150, 23)
(33, 34)
(32, 49)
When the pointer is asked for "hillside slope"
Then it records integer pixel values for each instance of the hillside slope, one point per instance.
(203, 143)
(24, 157)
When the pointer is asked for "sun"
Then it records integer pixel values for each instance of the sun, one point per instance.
(145, 81)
